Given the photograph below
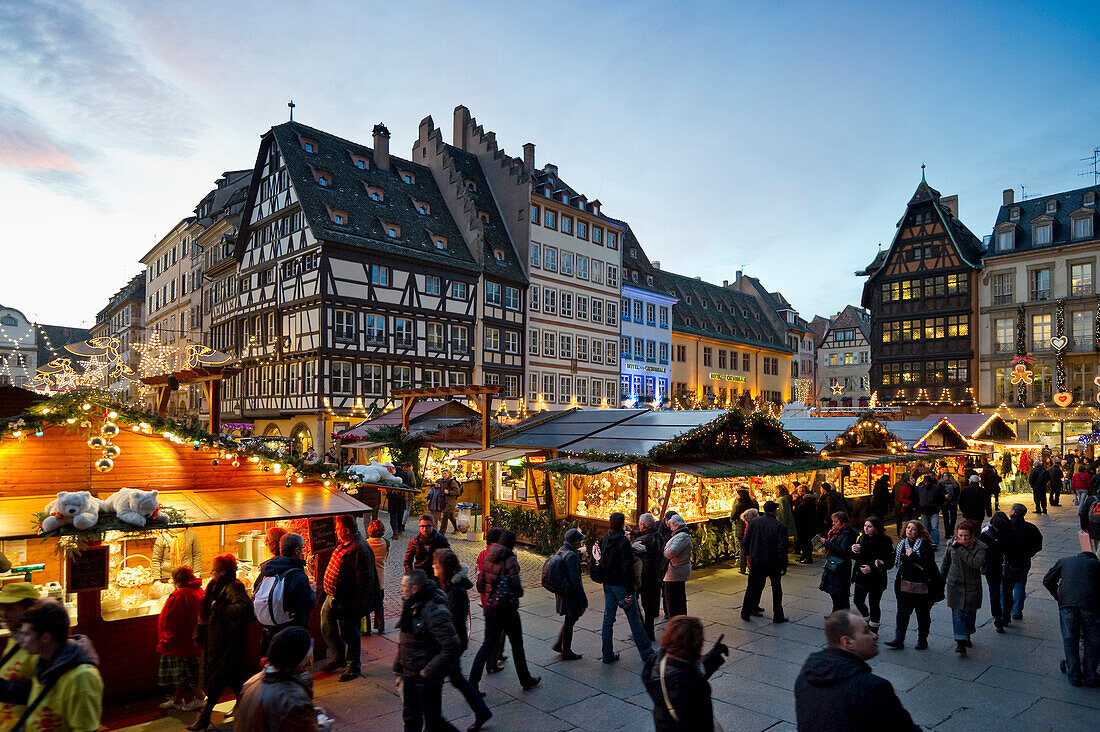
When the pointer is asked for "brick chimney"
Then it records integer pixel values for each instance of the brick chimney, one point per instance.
(529, 156)
(381, 146)
(461, 122)
(1009, 196)
(952, 203)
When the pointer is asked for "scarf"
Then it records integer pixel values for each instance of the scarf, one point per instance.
(903, 547)
(834, 532)
(175, 551)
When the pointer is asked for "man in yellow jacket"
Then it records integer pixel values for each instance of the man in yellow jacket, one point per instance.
(16, 665)
(66, 692)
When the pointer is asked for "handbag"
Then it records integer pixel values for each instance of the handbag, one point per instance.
(833, 562)
(668, 702)
(913, 588)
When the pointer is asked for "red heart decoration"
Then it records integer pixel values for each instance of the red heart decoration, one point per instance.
(1063, 398)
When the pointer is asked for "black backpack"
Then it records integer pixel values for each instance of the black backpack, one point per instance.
(501, 595)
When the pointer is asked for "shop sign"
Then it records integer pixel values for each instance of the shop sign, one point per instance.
(322, 534)
(88, 570)
(644, 367)
(726, 377)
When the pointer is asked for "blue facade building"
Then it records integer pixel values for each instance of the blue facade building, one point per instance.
(646, 329)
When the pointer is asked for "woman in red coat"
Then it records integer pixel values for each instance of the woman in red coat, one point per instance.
(179, 653)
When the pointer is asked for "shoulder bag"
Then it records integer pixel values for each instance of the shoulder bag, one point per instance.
(668, 702)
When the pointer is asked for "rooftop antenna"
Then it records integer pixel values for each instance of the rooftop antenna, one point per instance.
(1094, 165)
(291, 105)
(1023, 192)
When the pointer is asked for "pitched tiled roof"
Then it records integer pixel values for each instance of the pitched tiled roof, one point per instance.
(850, 317)
(1033, 208)
(347, 192)
(740, 319)
(226, 199)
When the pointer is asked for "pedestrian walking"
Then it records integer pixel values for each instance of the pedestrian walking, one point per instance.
(396, 499)
(1075, 583)
(442, 499)
(906, 492)
(421, 548)
(1057, 480)
(961, 569)
(805, 517)
(614, 569)
(951, 492)
(918, 584)
(427, 650)
(572, 603)
(179, 653)
(350, 585)
(836, 578)
(766, 541)
(454, 580)
(278, 697)
(495, 660)
(742, 503)
(1039, 480)
(499, 581)
(881, 498)
(678, 553)
(785, 514)
(1021, 542)
(652, 584)
(16, 665)
(66, 691)
(1089, 514)
(991, 536)
(836, 692)
(380, 547)
(222, 634)
(973, 500)
(1079, 483)
(872, 557)
(991, 482)
(281, 594)
(929, 501)
(676, 677)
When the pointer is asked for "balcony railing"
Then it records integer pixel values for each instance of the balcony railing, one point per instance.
(1006, 298)
(1081, 289)
(1084, 343)
(1040, 294)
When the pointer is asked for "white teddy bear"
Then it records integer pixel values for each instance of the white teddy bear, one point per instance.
(375, 473)
(79, 509)
(134, 506)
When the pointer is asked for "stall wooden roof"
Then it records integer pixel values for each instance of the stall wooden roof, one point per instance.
(641, 432)
(567, 428)
(425, 415)
(818, 431)
(589, 467)
(980, 426)
(497, 454)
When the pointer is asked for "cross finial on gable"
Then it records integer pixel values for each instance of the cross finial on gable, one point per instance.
(291, 105)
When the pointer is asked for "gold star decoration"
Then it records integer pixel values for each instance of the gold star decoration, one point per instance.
(154, 356)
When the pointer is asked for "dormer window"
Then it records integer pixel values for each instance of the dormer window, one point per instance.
(1006, 240)
(393, 231)
(338, 216)
(1014, 214)
(1090, 199)
(1082, 226)
(1041, 234)
(323, 179)
(309, 145)
(375, 193)
(483, 217)
(359, 161)
(408, 177)
(1052, 205)
(687, 299)
(440, 242)
(422, 207)
(498, 254)
(719, 306)
(361, 164)
(703, 303)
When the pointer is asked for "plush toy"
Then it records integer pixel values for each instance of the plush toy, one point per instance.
(375, 473)
(134, 506)
(79, 509)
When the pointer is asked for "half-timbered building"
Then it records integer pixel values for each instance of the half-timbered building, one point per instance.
(353, 280)
(921, 293)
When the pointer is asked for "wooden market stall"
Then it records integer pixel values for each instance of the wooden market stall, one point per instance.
(227, 494)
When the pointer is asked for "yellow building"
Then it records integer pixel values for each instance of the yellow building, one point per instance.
(724, 346)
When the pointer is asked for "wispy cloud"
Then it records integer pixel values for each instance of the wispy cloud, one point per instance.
(64, 52)
(30, 150)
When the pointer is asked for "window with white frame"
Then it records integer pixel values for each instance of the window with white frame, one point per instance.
(612, 276)
(404, 333)
(550, 259)
(1004, 335)
(639, 352)
(612, 350)
(458, 378)
(459, 290)
(597, 392)
(582, 307)
(376, 329)
(1004, 284)
(597, 310)
(612, 313)
(402, 377)
(549, 301)
(341, 377)
(492, 339)
(582, 267)
(431, 285)
(582, 348)
(1080, 279)
(1081, 322)
(511, 341)
(565, 346)
(549, 344)
(1006, 240)
(535, 254)
(1041, 235)
(511, 298)
(1040, 284)
(624, 346)
(597, 351)
(533, 386)
(435, 336)
(548, 384)
(511, 386)
(566, 385)
(433, 378)
(492, 293)
(566, 310)
(612, 240)
(533, 343)
(650, 314)
(597, 271)
(1082, 227)
(663, 353)
(460, 339)
(533, 298)
(566, 263)
(580, 388)
(345, 325)
(1041, 330)
(372, 379)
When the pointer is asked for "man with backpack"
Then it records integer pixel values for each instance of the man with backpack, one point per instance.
(561, 574)
(1021, 542)
(614, 569)
(282, 596)
(1089, 513)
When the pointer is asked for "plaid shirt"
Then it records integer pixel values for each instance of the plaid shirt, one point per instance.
(332, 571)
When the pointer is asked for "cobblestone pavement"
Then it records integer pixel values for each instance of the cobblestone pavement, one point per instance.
(1009, 682)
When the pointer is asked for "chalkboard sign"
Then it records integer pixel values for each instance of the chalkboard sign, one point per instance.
(322, 534)
(88, 570)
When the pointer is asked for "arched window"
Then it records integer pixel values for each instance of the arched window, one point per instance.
(272, 430)
(302, 438)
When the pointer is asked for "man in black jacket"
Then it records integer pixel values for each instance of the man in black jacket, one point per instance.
(805, 520)
(929, 501)
(428, 648)
(973, 500)
(650, 591)
(421, 548)
(1039, 480)
(1075, 583)
(1021, 542)
(298, 598)
(766, 544)
(395, 499)
(836, 691)
(350, 585)
(1057, 476)
(991, 483)
(616, 562)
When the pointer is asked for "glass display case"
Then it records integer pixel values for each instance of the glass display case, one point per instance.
(511, 481)
(436, 461)
(695, 499)
(599, 496)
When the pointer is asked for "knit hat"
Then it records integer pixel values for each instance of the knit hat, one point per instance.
(288, 648)
(770, 506)
(574, 536)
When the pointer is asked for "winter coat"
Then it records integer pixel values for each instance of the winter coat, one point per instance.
(829, 503)
(458, 603)
(178, 620)
(654, 557)
(836, 692)
(920, 567)
(274, 701)
(15, 678)
(741, 504)
(381, 549)
(839, 581)
(500, 561)
(1090, 523)
(950, 488)
(222, 633)
(678, 552)
(617, 560)
(962, 572)
(766, 544)
(1079, 481)
(973, 501)
(191, 556)
(357, 582)
(575, 601)
(929, 497)
(994, 556)
(1075, 581)
(419, 552)
(785, 514)
(805, 516)
(298, 596)
(75, 701)
(1039, 479)
(688, 690)
(1020, 544)
(428, 641)
(879, 547)
(881, 498)
(990, 480)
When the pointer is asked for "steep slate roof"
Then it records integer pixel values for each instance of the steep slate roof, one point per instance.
(968, 246)
(59, 336)
(496, 234)
(849, 318)
(132, 290)
(751, 330)
(776, 301)
(635, 259)
(227, 198)
(819, 326)
(347, 192)
(1033, 208)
